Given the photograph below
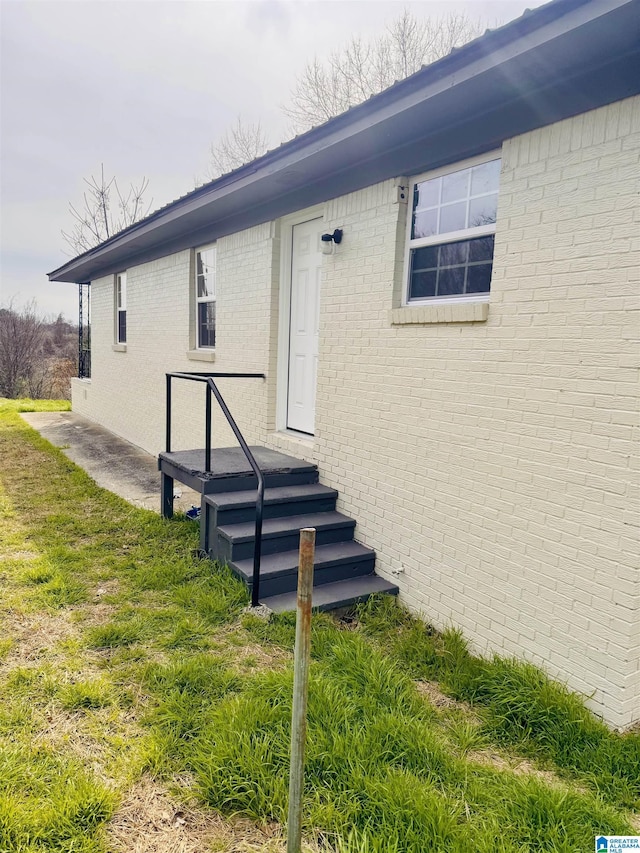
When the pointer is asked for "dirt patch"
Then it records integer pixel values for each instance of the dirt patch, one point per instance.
(150, 820)
(254, 658)
(36, 636)
(432, 692)
(100, 614)
(19, 556)
(64, 731)
(248, 656)
(517, 765)
(106, 588)
(98, 611)
(94, 737)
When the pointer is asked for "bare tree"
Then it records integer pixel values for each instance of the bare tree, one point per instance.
(105, 211)
(21, 339)
(349, 76)
(362, 68)
(239, 145)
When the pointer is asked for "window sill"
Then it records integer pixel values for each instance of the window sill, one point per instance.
(465, 312)
(119, 347)
(201, 355)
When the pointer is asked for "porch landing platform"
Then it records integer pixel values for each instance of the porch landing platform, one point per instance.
(344, 569)
(229, 471)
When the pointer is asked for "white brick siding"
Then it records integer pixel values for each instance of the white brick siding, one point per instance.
(489, 462)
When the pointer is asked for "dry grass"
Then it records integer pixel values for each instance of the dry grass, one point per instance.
(23, 556)
(517, 765)
(151, 820)
(37, 636)
(434, 695)
(246, 656)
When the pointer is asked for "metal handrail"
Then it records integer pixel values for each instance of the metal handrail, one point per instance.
(212, 388)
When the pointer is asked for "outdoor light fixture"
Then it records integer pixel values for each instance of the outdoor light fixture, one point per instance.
(331, 240)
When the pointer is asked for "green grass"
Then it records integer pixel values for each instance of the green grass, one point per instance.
(526, 709)
(49, 802)
(87, 695)
(161, 674)
(25, 404)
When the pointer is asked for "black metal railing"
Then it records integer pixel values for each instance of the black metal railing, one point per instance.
(84, 331)
(212, 388)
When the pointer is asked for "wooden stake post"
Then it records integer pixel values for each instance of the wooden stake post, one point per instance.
(300, 688)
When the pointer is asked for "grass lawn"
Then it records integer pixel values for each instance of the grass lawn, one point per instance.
(141, 711)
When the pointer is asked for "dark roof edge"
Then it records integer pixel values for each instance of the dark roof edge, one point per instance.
(480, 48)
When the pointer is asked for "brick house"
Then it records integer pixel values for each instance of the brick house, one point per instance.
(461, 365)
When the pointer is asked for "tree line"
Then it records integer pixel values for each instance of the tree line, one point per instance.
(38, 355)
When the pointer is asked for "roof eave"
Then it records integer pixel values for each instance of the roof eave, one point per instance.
(286, 172)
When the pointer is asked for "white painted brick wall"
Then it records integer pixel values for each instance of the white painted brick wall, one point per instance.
(127, 389)
(491, 463)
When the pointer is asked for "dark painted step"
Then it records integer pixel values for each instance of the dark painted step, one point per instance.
(331, 596)
(235, 507)
(235, 541)
(334, 562)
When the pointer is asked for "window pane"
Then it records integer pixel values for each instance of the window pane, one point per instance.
(481, 249)
(206, 286)
(207, 260)
(422, 285)
(427, 194)
(453, 217)
(482, 211)
(206, 272)
(451, 281)
(425, 224)
(122, 327)
(455, 186)
(479, 278)
(206, 324)
(425, 258)
(452, 254)
(485, 178)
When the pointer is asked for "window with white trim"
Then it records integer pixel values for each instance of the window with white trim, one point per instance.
(206, 297)
(452, 232)
(121, 308)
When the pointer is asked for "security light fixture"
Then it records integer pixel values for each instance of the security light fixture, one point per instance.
(329, 241)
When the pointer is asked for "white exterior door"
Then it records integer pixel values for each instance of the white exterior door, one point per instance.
(306, 269)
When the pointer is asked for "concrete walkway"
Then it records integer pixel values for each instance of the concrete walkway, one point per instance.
(113, 463)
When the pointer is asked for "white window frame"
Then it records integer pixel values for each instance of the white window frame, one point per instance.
(448, 237)
(198, 300)
(121, 305)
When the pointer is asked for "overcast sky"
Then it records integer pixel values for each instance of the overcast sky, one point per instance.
(144, 87)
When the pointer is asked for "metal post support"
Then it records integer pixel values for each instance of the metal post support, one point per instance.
(166, 495)
(80, 333)
(207, 429)
(168, 414)
(300, 688)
